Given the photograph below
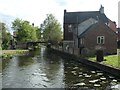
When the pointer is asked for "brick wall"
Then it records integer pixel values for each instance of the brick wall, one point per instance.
(100, 29)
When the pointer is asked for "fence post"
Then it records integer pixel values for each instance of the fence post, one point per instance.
(99, 56)
(99, 53)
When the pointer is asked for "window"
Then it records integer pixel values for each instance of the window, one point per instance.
(82, 41)
(100, 40)
(69, 28)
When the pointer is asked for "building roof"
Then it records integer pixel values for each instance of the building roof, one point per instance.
(92, 26)
(82, 34)
(78, 17)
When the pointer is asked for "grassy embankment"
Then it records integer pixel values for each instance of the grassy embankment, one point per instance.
(5, 54)
(111, 60)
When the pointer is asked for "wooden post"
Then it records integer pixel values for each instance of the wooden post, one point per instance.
(99, 56)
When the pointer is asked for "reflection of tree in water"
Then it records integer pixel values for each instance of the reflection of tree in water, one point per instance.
(28, 59)
(25, 61)
(5, 63)
(33, 53)
(0, 65)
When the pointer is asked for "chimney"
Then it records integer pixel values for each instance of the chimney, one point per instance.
(65, 11)
(33, 24)
(101, 9)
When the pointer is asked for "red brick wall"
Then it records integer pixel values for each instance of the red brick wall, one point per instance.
(101, 30)
(112, 25)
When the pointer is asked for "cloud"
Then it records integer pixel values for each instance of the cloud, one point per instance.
(61, 2)
(35, 10)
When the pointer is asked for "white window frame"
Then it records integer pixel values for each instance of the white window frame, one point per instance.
(81, 41)
(70, 28)
(100, 39)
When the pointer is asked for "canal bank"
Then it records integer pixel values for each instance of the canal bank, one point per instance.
(6, 54)
(110, 70)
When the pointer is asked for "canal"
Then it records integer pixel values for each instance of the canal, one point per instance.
(41, 69)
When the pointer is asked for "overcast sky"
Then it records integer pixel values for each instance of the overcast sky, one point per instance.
(35, 10)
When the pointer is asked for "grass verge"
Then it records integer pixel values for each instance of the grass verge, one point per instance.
(111, 60)
(5, 54)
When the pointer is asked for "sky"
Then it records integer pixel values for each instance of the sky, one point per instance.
(35, 10)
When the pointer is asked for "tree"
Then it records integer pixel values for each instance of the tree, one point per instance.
(24, 31)
(52, 29)
(38, 31)
(6, 36)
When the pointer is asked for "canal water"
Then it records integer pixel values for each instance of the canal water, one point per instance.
(42, 69)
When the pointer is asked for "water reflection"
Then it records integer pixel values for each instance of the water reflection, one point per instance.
(53, 67)
(42, 69)
(0, 73)
(24, 61)
(4, 63)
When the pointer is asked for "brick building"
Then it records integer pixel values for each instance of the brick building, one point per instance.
(77, 23)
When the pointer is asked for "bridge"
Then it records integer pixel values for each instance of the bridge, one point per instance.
(33, 44)
(36, 42)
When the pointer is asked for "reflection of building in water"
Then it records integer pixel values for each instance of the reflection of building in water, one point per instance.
(53, 67)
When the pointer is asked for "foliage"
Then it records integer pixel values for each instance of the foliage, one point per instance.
(51, 29)
(25, 31)
(6, 36)
(38, 32)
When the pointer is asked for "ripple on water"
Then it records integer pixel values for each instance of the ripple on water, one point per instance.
(22, 69)
(34, 74)
(42, 74)
(68, 67)
(80, 75)
(111, 77)
(87, 76)
(116, 87)
(74, 72)
(80, 72)
(113, 82)
(80, 84)
(75, 68)
(103, 78)
(93, 72)
(99, 74)
(97, 85)
(45, 79)
(94, 81)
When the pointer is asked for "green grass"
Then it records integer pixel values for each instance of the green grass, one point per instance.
(6, 54)
(111, 60)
